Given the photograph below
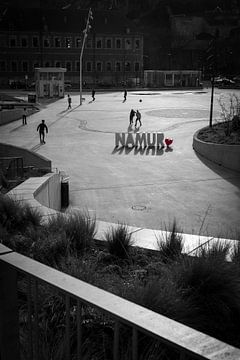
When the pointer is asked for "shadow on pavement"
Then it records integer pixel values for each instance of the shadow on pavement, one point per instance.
(125, 150)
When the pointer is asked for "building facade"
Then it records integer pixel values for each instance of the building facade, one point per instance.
(30, 38)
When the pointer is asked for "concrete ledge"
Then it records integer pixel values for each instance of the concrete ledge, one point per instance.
(7, 116)
(29, 158)
(42, 193)
(221, 154)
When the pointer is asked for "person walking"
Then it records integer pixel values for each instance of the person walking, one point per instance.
(131, 116)
(93, 94)
(125, 95)
(41, 128)
(69, 102)
(138, 118)
(24, 117)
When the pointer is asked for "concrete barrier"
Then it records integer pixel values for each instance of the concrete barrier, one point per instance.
(42, 193)
(221, 154)
(29, 158)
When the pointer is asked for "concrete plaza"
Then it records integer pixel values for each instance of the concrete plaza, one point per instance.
(143, 188)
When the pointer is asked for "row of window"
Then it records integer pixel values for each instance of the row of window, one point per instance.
(89, 66)
(69, 42)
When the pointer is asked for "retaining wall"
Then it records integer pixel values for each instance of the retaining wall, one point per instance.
(42, 193)
(221, 154)
(29, 158)
(7, 116)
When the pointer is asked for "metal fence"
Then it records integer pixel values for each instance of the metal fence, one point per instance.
(77, 296)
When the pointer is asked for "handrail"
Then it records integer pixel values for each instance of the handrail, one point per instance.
(181, 337)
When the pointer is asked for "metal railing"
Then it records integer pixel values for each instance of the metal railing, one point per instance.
(78, 295)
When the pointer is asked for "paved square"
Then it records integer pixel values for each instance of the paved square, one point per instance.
(140, 187)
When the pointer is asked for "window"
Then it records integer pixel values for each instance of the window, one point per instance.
(137, 44)
(109, 66)
(77, 66)
(46, 42)
(35, 41)
(47, 64)
(69, 66)
(99, 66)
(127, 66)
(78, 42)
(57, 42)
(13, 42)
(57, 64)
(24, 42)
(118, 66)
(89, 43)
(109, 43)
(35, 65)
(128, 44)
(118, 43)
(68, 42)
(89, 66)
(99, 43)
(2, 66)
(24, 66)
(14, 66)
(137, 66)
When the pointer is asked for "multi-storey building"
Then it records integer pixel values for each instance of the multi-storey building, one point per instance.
(32, 38)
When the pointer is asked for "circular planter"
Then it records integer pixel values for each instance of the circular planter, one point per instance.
(221, 154)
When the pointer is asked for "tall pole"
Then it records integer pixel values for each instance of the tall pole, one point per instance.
(211, 105)
(85, 31)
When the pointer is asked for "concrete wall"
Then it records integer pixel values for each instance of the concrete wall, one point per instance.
(41, 193)
(29, 158)
(49, 193)
(221, 154)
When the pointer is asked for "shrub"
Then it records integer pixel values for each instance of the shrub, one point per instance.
(213, 289)
(170, 246)
(80, 230)
(16, 216)
(119, 241)
(235, 255)
(49, 248)
(216, 249)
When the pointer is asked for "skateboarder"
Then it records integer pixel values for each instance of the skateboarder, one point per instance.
(41, 128)
(138, 118)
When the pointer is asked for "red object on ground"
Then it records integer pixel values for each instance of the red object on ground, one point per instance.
(168, 141)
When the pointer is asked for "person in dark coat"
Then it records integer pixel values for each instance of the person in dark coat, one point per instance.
(125, 95)
(93, 94)
(131, 116)
(138, 118)
(41, 128)
(69, 102)
(24, 117)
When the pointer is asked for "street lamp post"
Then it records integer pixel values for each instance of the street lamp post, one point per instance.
(85, 31)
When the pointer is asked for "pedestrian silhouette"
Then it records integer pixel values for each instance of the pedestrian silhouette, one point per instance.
(24, 117)
(69, 102)
(125, 95)
(131, 116)
(93, 94)
(41, 128)
(138, 118)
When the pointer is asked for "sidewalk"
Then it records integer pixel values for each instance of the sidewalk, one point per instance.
(145, 190)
